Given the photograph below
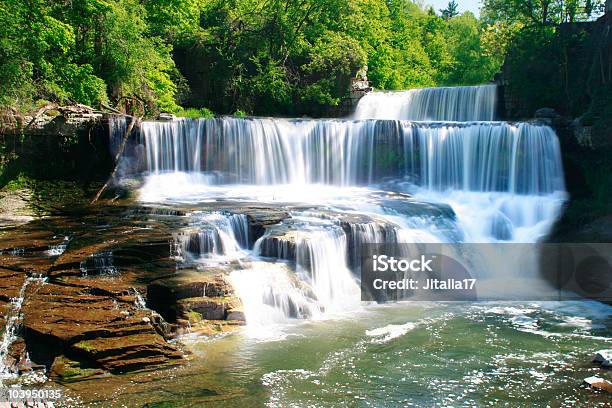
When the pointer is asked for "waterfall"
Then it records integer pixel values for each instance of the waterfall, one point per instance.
(488, 156)
(214, 233)
(117, 125)
(58, 249)
(420, 166)
(321, 256)
(460, 104)
(100, 263)
(270, 294)
(13, 326)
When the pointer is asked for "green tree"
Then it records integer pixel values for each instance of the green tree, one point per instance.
(450, 11)
(255, 56)
(539, 12)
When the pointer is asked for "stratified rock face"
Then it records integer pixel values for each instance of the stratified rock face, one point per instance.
(10, 284)
(95, 323)
(87, 317)
(204, 301)
(110, 289)
(260, 218)
(279, 241)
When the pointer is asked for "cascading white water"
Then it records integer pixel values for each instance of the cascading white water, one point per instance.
(458, 104)
(488, 156)
(118, 125)
(215, 233)
(321, 258)
(12, 327)
(498, 182)
(99, 263)
(271, 294)
(58, 249)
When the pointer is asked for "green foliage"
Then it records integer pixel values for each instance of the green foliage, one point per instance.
(83, 51)
(450, 11)
(195, 113)
(174, 19)
(541, 12)
(257, 56)
(471, 61)
(298, 56)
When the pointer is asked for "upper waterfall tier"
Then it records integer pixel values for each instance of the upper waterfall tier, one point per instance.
(461, 104)
(487, 156)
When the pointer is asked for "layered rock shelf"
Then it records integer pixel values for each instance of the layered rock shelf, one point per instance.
(110, 289)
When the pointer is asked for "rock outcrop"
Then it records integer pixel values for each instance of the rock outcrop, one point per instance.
(202, 301)
(98, 324)
(84, 316)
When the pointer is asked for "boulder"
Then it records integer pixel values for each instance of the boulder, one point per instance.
(279, 241)
(599, 383)
(604, 358)
(165, 295)
(204, 308)
(166, 116)
(260, 218)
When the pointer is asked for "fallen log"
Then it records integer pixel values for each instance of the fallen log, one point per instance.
(77, 109)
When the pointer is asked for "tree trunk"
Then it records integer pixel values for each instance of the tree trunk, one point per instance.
(126, 136)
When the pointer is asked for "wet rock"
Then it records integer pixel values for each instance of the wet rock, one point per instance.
(88, 316)
(27, 248)
(16, 360)
(415, 212)
(599, 383)
(164, 295)
(66, 370)
(166, 116)
(87, 323)
(501, 227)
(215, 327)
(120, 354)
(546, 113)
(236, 313)
(394, 203)
(260, 218)
(117, 247)
(604, 358)
(11, 283)
(209, 308)
(279, 241)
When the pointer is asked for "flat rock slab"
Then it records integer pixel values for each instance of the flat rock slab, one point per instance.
(104, 328)
(599, 383)
(11, 283)
(193, 296)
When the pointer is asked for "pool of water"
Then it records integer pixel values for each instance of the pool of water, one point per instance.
(408, 354)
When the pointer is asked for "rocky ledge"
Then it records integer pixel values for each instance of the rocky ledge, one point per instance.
(104, 291)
